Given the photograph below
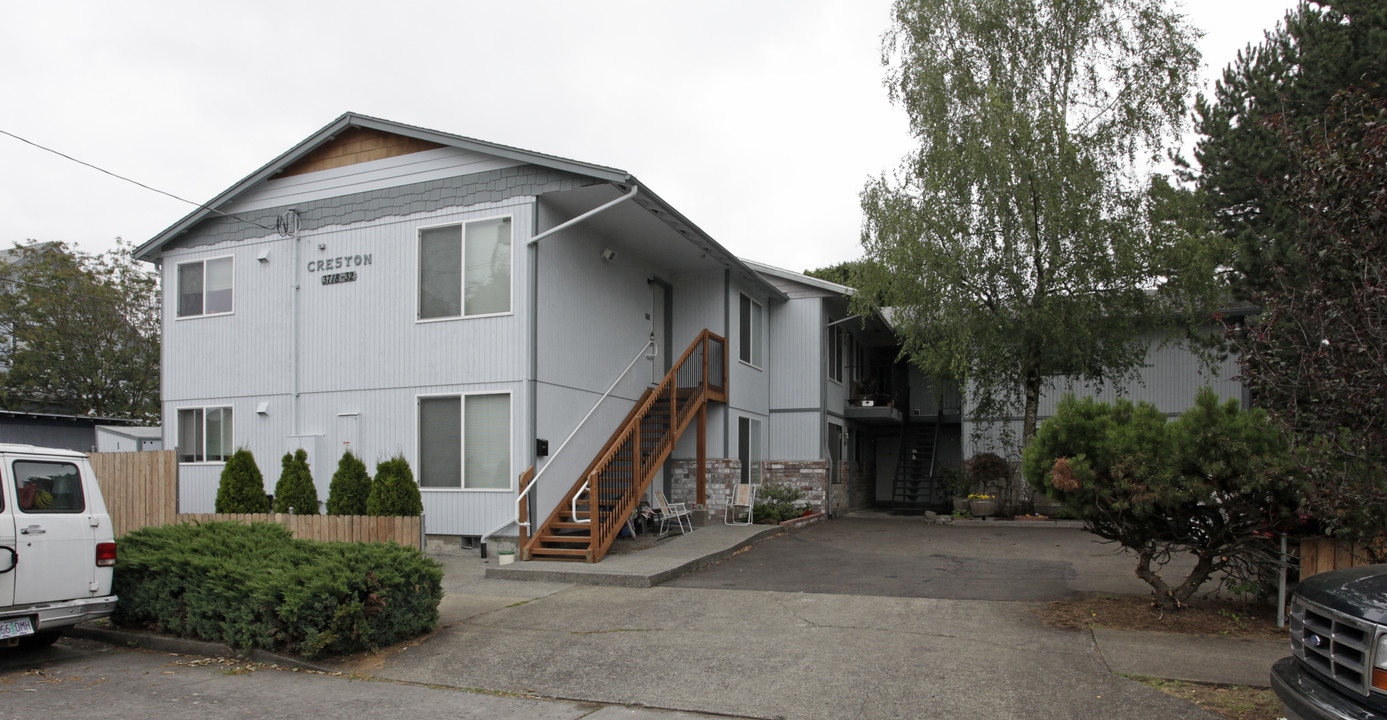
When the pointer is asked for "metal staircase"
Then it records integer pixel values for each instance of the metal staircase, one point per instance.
(915, 487)
(586, 521)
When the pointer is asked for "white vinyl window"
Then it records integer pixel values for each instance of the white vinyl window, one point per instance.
(205, 287)
(465, 442)
(835, 354)
(749, 448)
(750, 348)
(204, 434)
(465, 269)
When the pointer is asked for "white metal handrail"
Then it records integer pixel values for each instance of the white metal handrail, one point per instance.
(651, 344)
(573, 504)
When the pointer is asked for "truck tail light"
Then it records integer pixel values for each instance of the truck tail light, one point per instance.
(105, 554)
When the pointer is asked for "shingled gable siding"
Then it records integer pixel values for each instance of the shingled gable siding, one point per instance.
(490, 186)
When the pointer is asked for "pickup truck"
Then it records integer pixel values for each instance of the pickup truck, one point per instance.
(57, 551)
(1338, 665)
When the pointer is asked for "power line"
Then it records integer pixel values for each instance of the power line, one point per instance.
(134, 182)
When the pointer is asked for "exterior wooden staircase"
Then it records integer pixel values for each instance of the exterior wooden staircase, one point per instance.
(587, 520)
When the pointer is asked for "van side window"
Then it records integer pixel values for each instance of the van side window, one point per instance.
(48, 487)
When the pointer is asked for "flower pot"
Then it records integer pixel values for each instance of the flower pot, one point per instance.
(960, 503)
(982, 508)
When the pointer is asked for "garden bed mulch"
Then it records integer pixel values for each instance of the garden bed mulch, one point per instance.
(1201, 616)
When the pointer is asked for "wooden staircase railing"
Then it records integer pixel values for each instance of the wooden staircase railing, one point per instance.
(587, 520)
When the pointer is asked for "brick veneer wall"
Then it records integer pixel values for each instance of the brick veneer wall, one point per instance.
(810, 476)
(723, 473)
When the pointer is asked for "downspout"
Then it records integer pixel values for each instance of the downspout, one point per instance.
(532, 249)
(824, 358)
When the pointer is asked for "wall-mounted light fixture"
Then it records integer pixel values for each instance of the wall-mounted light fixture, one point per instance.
(609, 255)
(264, 256)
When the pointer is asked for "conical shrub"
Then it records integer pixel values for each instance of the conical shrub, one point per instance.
(242, 487)
(350, 487)
(393, 492)
(295, 488)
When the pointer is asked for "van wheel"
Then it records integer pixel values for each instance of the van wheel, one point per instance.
(40, 640)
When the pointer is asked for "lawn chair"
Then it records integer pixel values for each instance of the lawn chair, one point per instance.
(743, 496)
(672, 511)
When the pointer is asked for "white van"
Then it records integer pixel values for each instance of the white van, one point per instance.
(56, 545)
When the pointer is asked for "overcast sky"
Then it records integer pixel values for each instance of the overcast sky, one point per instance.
(760, 120)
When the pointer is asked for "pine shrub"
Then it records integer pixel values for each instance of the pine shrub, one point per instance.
(295, 488)
(393, 492)
(255, 586)
(350, 487)
(242, 487)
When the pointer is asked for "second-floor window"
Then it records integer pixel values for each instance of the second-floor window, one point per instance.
(204, 287)
(752, 342)
(465, 269)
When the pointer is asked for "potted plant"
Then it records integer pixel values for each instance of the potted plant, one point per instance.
(982, 505)
(955, 482)
(990, 474)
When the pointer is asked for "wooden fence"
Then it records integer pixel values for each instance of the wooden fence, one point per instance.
(1323, 554)
(141, 489)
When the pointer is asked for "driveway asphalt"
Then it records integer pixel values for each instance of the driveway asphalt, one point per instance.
(898, 558)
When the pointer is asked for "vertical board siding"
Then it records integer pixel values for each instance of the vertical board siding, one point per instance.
(794, 436)
(796, 354)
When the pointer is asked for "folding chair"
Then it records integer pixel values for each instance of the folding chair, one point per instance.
(672, 511)
(743, 496)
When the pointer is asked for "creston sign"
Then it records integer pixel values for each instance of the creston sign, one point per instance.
(328, 266)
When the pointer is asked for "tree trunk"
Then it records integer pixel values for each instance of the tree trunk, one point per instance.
(1032, 391)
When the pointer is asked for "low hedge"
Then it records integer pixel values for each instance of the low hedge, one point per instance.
(254, 585)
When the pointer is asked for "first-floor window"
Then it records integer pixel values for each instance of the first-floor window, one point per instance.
(464, 442)
(749, 448)
(204, 434)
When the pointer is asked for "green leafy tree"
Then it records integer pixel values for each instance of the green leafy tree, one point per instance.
(1291, 75)
(79, 333)
(295, 488)
(350, 487)
(1317, 354)
(242, 487)
(393, 491)
(1210, 484)
(1022, 239)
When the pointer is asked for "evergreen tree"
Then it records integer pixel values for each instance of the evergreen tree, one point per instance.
(242, 487)
(295, 488)
(350, 488)
(393, 491)
(1292, 75)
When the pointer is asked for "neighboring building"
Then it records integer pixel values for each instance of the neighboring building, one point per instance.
(117, 438)
(70, 432)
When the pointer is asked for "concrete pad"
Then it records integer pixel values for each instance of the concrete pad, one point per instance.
(1194, 658)
(668, 559)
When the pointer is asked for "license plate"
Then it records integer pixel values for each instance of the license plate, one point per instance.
(15, 627)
